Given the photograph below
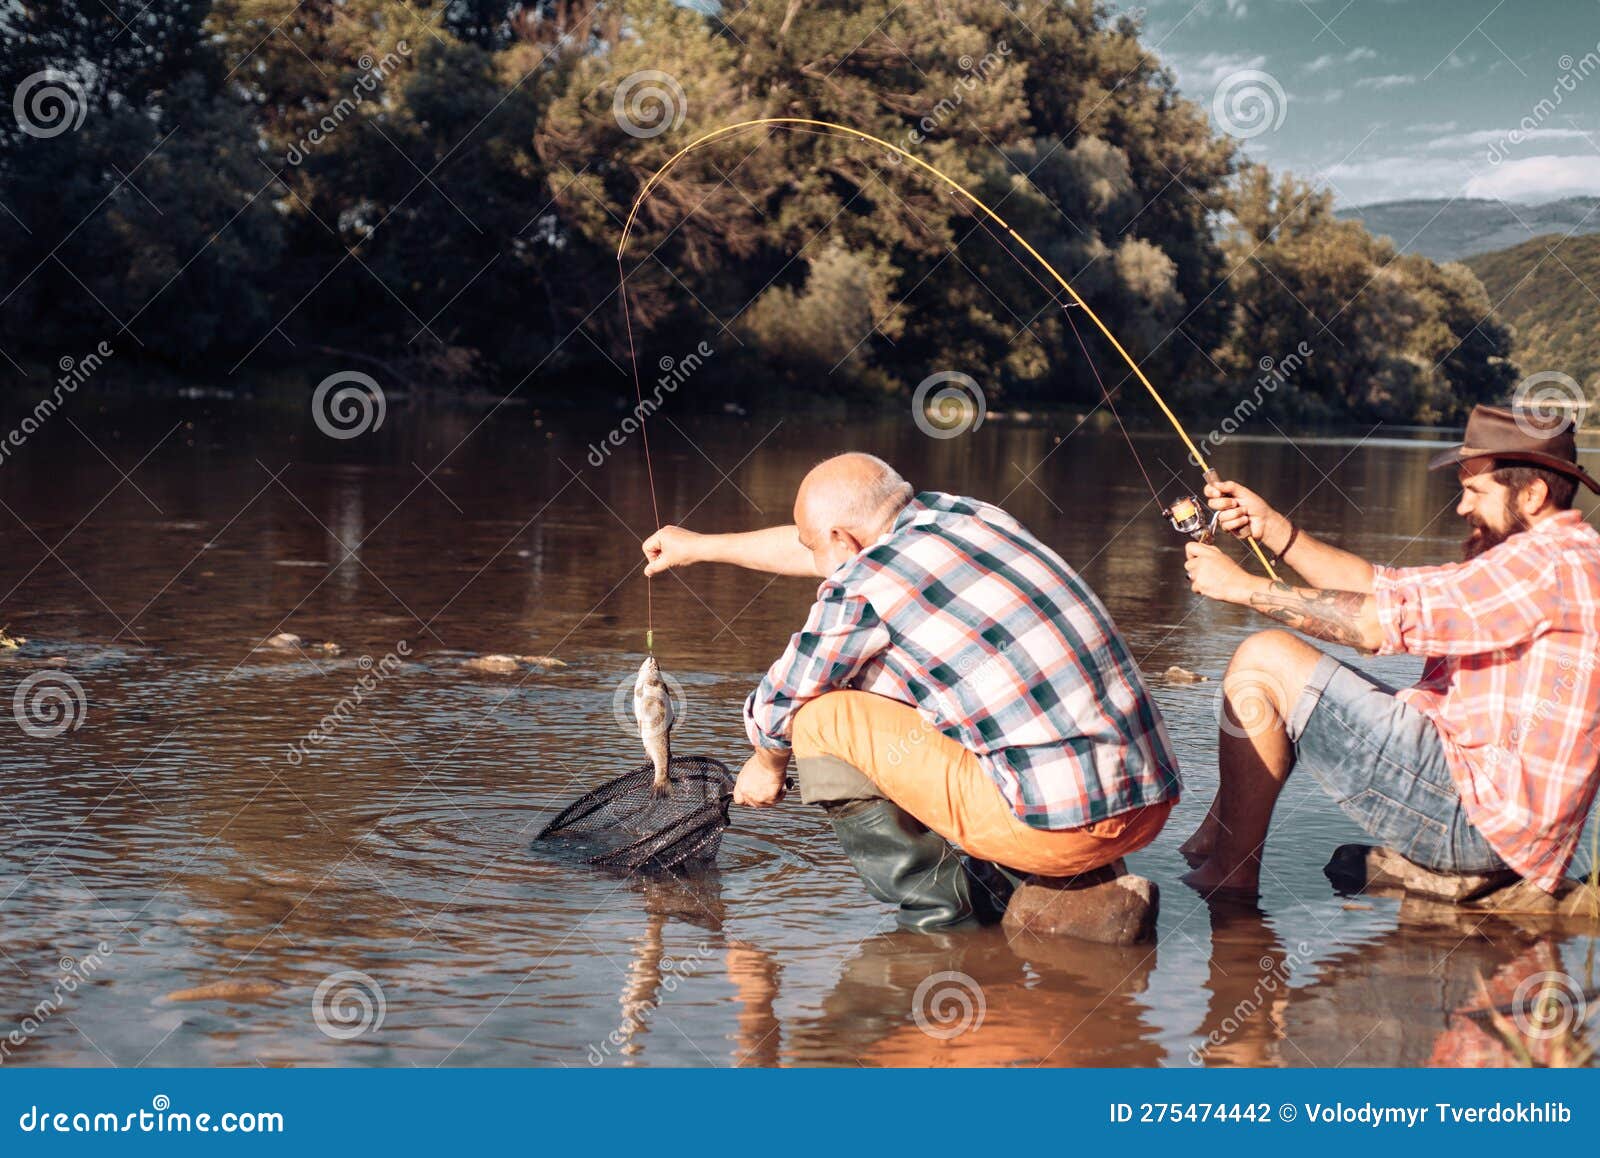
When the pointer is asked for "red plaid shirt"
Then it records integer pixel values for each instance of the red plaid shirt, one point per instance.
(961, 613)
(1512, 682)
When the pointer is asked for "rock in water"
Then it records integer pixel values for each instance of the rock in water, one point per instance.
(284, 641)
(1357, 868)
(225, 991)
(493, 664)
(1182, 675)
(1372, 869)
(1109, 906)
(542, 660)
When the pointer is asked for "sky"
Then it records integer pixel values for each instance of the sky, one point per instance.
(1389, 99)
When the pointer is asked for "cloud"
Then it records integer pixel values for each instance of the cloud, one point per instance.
(1329, 59)
(1392, 80)
(1432, 127)
(1404, 176)
(1505, 138)
(1203, 72)
(1395, 178)
(1543, 178)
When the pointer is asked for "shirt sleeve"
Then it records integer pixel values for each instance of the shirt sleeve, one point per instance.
(840, 636)
(1503, 598)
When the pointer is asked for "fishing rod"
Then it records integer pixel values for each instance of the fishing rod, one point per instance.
(1184, 514)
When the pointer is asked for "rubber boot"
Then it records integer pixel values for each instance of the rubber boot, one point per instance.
(904, 863)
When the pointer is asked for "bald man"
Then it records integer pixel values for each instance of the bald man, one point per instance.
(955, 683)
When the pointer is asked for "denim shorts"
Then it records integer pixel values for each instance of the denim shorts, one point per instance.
(1384, 762)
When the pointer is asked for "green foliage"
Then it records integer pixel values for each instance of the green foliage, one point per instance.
(441, 185)
(1543, 290)
(1393, 338)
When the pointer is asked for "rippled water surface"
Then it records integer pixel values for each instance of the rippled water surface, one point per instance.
(172, 843)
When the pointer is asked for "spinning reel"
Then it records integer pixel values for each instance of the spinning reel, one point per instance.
(1187, 517)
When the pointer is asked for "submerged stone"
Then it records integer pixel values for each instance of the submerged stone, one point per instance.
(1365, 868)
(493, 664)
(225, 991)
(1109, 906)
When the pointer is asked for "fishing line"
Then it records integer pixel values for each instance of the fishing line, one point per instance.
(649, 467)
(1105, 394)
(827, 128)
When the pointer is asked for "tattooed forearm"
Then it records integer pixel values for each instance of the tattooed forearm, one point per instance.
(1336, 616)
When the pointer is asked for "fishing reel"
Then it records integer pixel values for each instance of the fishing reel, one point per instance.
(1187, 517)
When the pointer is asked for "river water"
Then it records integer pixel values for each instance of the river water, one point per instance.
(376, 899)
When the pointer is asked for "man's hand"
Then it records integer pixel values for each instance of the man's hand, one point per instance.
(1243, 513)
(671, 547)
(1214, 575)
(760, 782)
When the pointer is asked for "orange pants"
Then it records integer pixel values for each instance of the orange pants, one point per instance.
(942, 784)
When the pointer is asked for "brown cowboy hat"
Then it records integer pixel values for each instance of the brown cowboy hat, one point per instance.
(1532, 436)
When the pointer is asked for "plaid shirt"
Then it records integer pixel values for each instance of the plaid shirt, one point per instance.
(965, 616)
(1512, 682)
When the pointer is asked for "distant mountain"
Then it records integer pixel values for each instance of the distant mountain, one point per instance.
(1542, 288)
(1452, 230)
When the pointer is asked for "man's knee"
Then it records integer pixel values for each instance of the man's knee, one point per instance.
(815, 730)
(1267, 674)
(821, 766)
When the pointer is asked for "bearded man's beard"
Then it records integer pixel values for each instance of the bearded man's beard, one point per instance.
(1484, 537)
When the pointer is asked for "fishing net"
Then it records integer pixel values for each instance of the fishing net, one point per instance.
(621, 825)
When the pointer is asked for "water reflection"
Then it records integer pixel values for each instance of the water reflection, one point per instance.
(171, 827)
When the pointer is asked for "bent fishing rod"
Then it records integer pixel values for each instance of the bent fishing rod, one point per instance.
(1185, 514)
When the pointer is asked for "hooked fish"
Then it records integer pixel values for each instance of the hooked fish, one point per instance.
(652, 707)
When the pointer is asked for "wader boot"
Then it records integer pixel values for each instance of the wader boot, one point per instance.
(901, 860)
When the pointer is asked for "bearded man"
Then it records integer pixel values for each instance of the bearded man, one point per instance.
(1491, 759)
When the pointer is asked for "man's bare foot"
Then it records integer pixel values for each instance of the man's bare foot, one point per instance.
(1213, 877)
(1198, 848)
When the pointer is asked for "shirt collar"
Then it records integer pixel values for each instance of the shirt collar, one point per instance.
(1560, 521)
(909, 514)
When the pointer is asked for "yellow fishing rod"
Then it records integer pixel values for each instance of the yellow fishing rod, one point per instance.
(1185, 518)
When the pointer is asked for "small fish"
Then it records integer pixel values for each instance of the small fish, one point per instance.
(652, 707)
